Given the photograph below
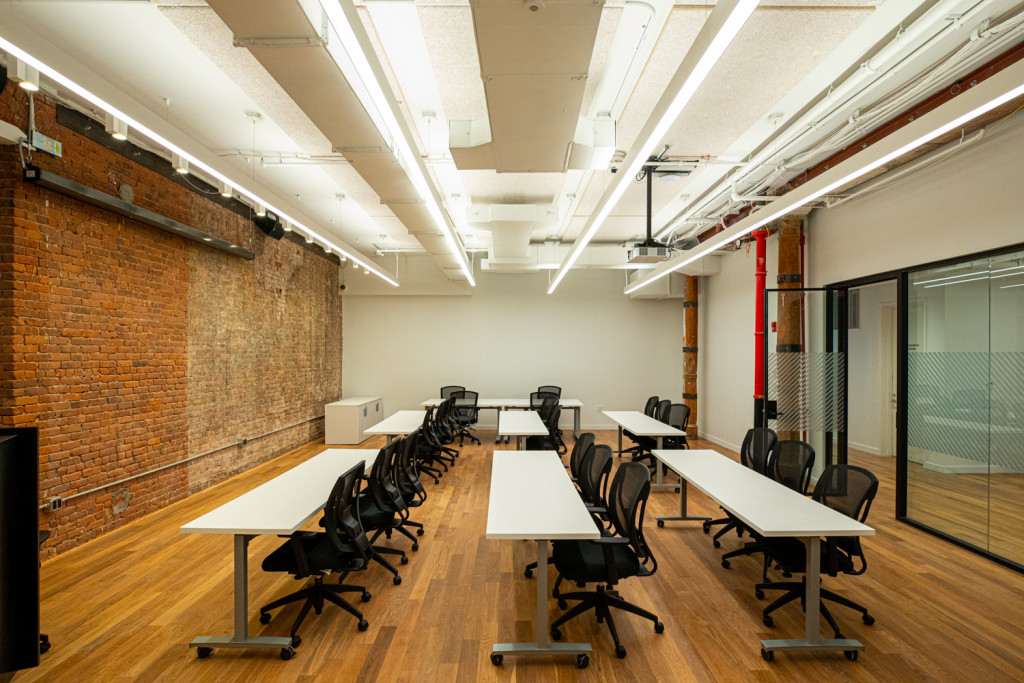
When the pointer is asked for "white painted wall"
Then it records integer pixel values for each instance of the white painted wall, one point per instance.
(866, 368)
(509, 337)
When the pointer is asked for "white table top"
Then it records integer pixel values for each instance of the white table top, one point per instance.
(532, 498)
(509, 402)
(402, 422)
(521, 423)
(286, 502)
(641, 425)
(766, 506)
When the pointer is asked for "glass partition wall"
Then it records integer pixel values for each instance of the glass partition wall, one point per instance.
(965, 402)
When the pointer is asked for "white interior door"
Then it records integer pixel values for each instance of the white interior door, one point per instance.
(887, 416)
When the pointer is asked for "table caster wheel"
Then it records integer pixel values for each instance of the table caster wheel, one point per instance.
(296, 641)
(677, 489)
(659, 627)
(415, 546)
(204, 652)
(851, 655)
(759, 594)
(404, 560)
(716, 543)
(582, 661)
(768, 621)
(363, 625)
(397, 580)
(419, 532)
(528, 573)
(725, 563)
(767, 655)
(496, 659)
(287, 653)
(556, 634)
(562, 604)
(868, 619)
(620, 652)
(661, 523)
(264, 617)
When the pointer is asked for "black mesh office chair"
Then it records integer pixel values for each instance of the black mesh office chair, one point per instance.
(44, 640)
(551, 388)
(849, 490)
(382, 509)
(465, 414)
(579, 449)
(449, 390)
(790, 464)
(537, 398)
(342, 547)
(609, 559)
(407, 478)
(646, 444)
(757, 446)
(426, 447)
(678, 417)
(649, 410)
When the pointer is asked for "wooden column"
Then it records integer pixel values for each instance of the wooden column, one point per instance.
(789, 337)
(690, 351)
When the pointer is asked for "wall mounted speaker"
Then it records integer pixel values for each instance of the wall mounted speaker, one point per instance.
(270, 224)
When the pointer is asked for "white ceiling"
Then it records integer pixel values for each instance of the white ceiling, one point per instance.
(428, 51)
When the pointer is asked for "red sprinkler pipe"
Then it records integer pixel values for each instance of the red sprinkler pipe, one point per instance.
(762, 270)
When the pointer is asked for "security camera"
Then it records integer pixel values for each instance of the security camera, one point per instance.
(343, 286)
(533, 5)
(614, 169)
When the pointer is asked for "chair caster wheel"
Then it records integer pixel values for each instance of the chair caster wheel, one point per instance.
(363, 625)
(556, 634)
(287, 653)
(204, 652)
(365, 597)
(404, 560)
(419, 532)
(852, 655)
(620, 652)
(555, 592)
(868, 619)
(496, 659)
(562, 604)
(659, 627)
(528, 573)
(677, 489)
(767, 655)
(725, 563)
(397, 580)
(768, 621)
(296, 641)
(706, 527)
(264, 617)
(759, 594)
(582, 661)
(716, 543)
(661, 523)
(415, 546)
(44, 644)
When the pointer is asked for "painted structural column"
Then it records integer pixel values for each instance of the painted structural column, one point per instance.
(789, 337)
(760, 272)
(690, 351)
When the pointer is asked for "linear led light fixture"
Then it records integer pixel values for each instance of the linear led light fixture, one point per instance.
(13, 50)
(342, 16)
(718, 32)
(1010, 81)
(980, 272)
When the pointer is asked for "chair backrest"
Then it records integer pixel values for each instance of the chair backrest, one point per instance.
(537, 398)
(382, 482)
(850, 490)
(651, 406)
(407, 473)
(341, 514)
(579, 451)
(465, 404)
(449, 390)
(661, 414)
(546, 407)
(791, 464)
(627, 502)
(551, 417)
(593, 477)
(679, 416)
(551, 388)
(757, 447)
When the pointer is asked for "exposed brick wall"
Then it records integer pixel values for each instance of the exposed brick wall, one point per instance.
(131, 348)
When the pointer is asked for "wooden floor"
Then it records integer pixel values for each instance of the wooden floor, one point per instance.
(124, 606)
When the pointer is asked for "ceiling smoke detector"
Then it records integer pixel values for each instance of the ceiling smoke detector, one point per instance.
(534, 5)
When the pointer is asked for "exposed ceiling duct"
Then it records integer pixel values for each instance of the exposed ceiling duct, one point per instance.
(511, 226)
(534, 61)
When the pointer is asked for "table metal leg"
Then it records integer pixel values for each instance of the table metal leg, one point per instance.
(391, 437)
(576, 423)
(812, 639)
(620, 441)
(542, 644)
(683, 516)
(497, 412)
(658, 479)
(241, 639)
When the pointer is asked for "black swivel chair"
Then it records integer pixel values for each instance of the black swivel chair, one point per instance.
(342, 547)
(649, 410)
(465, 414)
(579, 450)
(646, 444)
(382, 509)
(425, 448)
(790, 464)
(447, 391)
(551, 388)
(537, 398)
(609, 559)
(754, 453)
(849, 490)
(407, 478)
(44, 640)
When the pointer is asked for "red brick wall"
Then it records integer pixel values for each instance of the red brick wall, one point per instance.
(131, 348)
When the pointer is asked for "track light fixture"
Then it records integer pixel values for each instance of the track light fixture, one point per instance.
(225, 190)
(117, 128)
(287, 226)
(309, 239)
(179, 163)
(261, 210)
(25, 74)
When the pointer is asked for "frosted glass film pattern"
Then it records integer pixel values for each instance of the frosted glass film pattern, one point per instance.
(809, 388)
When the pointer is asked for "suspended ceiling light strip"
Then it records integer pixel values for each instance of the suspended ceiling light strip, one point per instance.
(986, 96)
(714, 38)
(12, 49)
(344, 19)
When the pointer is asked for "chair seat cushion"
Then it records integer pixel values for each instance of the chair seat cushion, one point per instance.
(321, 554)
(791, 553)
(584, 561)
(372, 516)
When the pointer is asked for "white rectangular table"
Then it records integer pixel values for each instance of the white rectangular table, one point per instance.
(500, 405)
(401, 423)
(642, 425)
(533, 499)
(520, 424)
(772, 510)
(279, 506)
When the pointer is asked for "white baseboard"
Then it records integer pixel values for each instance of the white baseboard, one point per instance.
(864, 447)
(721, 442)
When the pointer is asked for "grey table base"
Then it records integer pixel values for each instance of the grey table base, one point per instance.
(542, 644)
(242, 639)
(659, 482)
(683, 516)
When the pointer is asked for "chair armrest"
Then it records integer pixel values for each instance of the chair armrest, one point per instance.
(609, 540)
(596, 508)
(301, 562)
